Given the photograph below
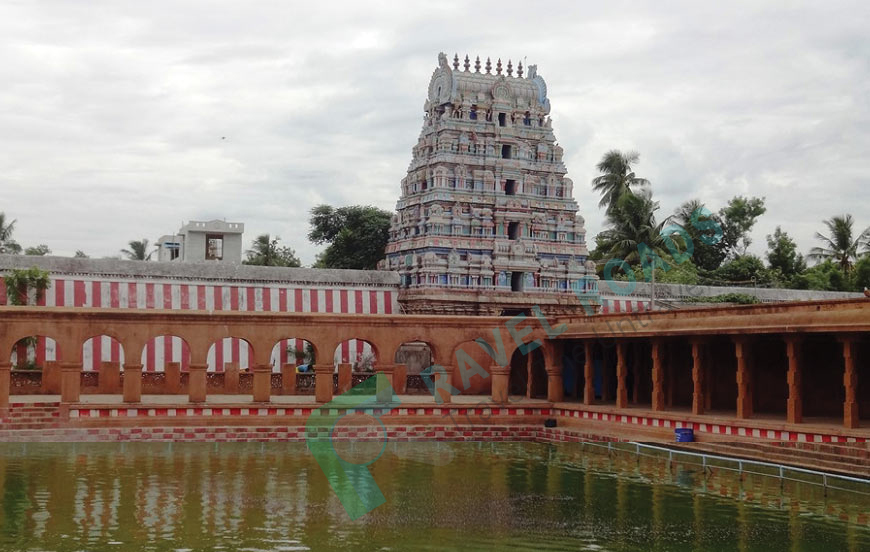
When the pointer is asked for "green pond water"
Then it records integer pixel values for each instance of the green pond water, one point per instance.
(439, 496)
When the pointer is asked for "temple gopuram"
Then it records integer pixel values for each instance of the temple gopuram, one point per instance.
(486, 223)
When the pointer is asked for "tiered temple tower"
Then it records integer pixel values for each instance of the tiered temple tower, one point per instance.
(486, 223)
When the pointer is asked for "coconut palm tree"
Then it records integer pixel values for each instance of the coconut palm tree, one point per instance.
(7, 244)
(839, 246)
(617, 179)
(632, 225)
(138, 251)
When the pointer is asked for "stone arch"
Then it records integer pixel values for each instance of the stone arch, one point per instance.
(361, 353)
(101, 348)
(34, 351)
(528, 375)
(230, 349)
(293, 350)
(518, 384)
(163, 349)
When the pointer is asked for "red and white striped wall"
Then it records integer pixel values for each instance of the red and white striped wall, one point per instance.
(621, 304)
(112, 294)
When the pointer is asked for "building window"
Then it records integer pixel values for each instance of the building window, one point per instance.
(527, 120)
(510, 187)
(506, 152)
(513, 230)
(214, 247)
(517, 281)
(501, 119)
(473, 114)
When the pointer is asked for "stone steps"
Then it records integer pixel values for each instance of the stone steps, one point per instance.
(31, 416)
(776, 453)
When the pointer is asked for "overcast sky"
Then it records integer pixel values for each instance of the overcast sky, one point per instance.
(113, 114)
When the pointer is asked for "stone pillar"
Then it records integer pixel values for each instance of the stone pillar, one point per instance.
(172, 378)
(744, 378)
(443, 383)
(323, 382)
(70, 381)
(5, 384)
(109, 381)
(500, 383)
(231, 378)
(51, 378)
(132, 383)
(384, 385)
(636, 369)
(588, 374)
(197, 383)
(555, 388)
(262, 386)
(288, 379)
(400, 379)
(795, 400)
(850, 381)
(621, 373)
(658, 391)
(530, 380)
(698, 376)
(345, 377)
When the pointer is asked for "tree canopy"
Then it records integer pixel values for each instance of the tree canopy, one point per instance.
(265, 251)
(841, 245)
(617, 180)
(357, 235)
(19, 282)
(782, 255)
(39, 251)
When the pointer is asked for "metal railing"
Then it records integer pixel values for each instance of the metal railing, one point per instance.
(742, 466)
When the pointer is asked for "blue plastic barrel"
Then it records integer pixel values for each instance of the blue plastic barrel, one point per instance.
(685, 434)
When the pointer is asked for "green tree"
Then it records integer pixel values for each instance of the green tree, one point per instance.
(357, 235)
(841, 245)
(825, 276)
(40, 250)
(737, 219)
(265, 251)
(744, 270)
(636, 237)
(617, 178)
(138, 250)
(862, 274)
(7, 244)
(782, 255)
(705, 256)
(19, 282)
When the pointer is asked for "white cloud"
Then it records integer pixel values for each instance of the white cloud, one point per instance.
(112, 115)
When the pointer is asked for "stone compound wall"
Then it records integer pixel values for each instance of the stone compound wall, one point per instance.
(117, 284)
(679, 295)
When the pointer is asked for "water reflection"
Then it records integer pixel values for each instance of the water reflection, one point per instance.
(491, 495)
